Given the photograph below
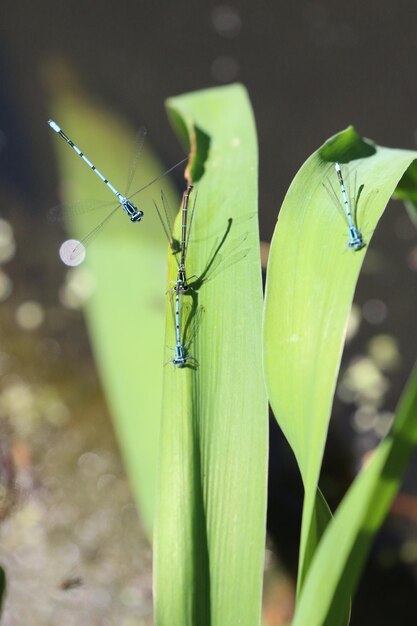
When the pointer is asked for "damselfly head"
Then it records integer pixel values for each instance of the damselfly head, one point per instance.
(180, 356)
(356, 241)
(137, 217)
(134, 214)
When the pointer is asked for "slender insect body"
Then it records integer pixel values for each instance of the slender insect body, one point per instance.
(186, 198)
(180, 354)
(180, 358)
(356, 241)
(128, 206)
(178, 248)
(177, 317)
(181, 284)
(75, 255)
(181, 275)
(344, 196)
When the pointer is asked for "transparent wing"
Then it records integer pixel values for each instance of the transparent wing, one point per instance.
(355, 193)
(364, 206)
(58, 212)
(92, 234)
(171, 293)
(351, 191)
(165, 226)
(154, 180)
(167, 217)
(164, 218)
(139, 141)
(335, 199)
(191, 316)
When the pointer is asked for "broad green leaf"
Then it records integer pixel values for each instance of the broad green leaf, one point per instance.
(340, 556)
(126, 262)
(210, 527)
(310, 285)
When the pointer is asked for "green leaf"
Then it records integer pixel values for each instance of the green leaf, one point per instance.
(127, 264)
(310, 285)
(210, 527)
(341, 554)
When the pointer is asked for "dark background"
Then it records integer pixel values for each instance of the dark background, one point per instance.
(311, 69)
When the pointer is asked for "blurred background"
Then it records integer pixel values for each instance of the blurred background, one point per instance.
(71, 540)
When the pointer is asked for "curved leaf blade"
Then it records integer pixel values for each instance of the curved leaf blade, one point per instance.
(340, 556)
(210, 532)
(125, 314)
(310, 286)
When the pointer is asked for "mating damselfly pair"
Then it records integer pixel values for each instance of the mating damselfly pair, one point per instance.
(73, 251)
(181, 285)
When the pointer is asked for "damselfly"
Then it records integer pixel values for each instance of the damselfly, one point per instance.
(187, 317)
(181, 247)
(135, 214)
(356, 240)
(180, 354)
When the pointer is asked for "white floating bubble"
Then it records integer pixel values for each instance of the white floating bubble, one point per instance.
(72, 252)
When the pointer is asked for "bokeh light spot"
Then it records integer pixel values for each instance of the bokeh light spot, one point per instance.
(29, 315)
(226, 21)
(72, 252)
